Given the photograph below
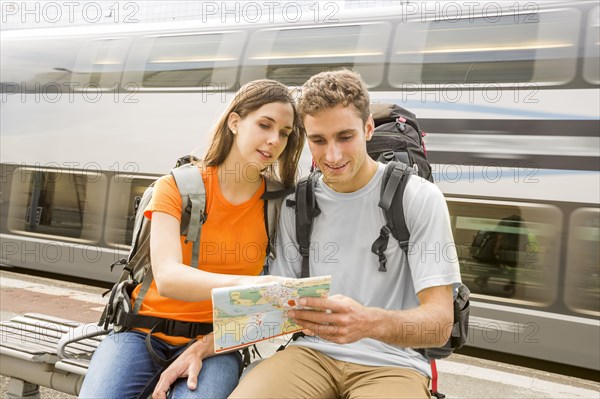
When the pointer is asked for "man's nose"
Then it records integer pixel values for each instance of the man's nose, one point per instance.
(333, 153)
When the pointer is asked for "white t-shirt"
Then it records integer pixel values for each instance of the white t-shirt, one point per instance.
(341, 242)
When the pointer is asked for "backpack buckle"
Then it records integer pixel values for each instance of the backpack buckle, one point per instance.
(385, 231)
(304, 251)
(169, 327)
(380, 245)
(382, 263)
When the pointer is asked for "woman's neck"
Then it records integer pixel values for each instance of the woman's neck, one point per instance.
(238, 181)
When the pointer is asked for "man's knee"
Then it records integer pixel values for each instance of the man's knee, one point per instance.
(255, 381)
(292, 373)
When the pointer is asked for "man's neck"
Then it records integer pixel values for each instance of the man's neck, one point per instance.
(360, 180)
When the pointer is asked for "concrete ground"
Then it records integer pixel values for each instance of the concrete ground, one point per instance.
(460, 376)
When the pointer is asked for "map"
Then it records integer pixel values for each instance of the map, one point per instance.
(244, 315)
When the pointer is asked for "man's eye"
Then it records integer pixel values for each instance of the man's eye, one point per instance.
(345, 138)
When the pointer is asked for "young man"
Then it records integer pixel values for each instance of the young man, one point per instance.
(360, 340)
(361, 346)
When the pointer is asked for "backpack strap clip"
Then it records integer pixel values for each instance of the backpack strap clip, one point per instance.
(380, 245)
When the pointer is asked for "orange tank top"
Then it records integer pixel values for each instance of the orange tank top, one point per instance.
(233, 241)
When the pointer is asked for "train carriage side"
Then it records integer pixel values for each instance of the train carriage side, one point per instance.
(510, 105)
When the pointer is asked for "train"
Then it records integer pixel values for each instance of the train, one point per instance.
(508, 95)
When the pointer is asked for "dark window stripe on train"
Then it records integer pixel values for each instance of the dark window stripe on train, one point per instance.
(534, 127)
(528, 161)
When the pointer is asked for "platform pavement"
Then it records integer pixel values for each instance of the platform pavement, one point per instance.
(460, 376)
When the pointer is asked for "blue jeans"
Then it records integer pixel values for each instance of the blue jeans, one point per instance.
(122, 368)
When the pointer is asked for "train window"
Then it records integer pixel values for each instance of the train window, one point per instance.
(293, 55)
(100, 63)
(591, 62)
(121, 208)
(507, 250)
(187, 61)
(38, 65)
(63, 203)
(582, 291)
(502, 50)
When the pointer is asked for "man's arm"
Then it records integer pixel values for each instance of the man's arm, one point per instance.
(342, 320)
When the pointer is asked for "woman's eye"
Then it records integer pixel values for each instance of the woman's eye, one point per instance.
(285, 134)
(262, 125)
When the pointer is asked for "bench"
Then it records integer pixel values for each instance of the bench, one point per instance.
(39, 350)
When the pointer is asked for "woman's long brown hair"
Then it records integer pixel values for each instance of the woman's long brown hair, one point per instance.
(249, 98)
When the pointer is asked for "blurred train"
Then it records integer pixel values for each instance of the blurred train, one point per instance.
(509, 96)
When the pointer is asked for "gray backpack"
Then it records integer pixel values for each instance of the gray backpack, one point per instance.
(137, 266)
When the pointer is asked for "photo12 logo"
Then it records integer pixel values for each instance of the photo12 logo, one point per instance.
(453, 11)
(252, 12)
(69, 12)
(54, 92)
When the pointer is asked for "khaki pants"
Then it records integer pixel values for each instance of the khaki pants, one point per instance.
(299, 372)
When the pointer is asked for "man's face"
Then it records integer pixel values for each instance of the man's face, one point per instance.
(337, 139)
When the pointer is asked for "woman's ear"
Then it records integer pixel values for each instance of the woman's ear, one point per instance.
(232, 122)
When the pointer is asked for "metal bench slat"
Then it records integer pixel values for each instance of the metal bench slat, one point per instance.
(52, 319)
(30, 334)
(72, 366)
(47, 325)
(36, 355)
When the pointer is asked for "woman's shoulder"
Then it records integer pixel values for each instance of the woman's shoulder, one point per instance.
(165, 182)
(169, 180)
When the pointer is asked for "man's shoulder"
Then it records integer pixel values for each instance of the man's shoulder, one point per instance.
(417, 185)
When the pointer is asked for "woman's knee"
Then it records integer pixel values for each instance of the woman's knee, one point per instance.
(218, 377)
(119, 366)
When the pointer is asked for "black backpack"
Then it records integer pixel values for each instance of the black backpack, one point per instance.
(498, 247)
(397, 138)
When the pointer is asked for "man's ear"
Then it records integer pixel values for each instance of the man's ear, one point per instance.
(232, 122)
(369, 127)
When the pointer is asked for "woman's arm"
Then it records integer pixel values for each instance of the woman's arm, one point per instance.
(176, 280)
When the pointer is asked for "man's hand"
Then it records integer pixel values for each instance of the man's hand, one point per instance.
(188, 364)
(337, 319)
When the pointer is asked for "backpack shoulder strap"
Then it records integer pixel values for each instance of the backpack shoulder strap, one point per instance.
(193, 205)
(306, 209)
(394, 182)
(140, 252)
(273, 197)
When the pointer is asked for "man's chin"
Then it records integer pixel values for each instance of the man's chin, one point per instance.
(333, 178)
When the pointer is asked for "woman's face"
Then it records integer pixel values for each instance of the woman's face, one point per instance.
(262, 135)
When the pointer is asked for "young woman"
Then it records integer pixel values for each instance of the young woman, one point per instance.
(258, 134)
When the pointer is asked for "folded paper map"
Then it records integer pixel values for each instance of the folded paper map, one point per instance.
(244, 315)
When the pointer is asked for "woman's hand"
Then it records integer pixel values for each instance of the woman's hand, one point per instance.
(188, 364)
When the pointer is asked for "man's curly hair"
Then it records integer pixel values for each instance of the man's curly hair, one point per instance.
(332, 88)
